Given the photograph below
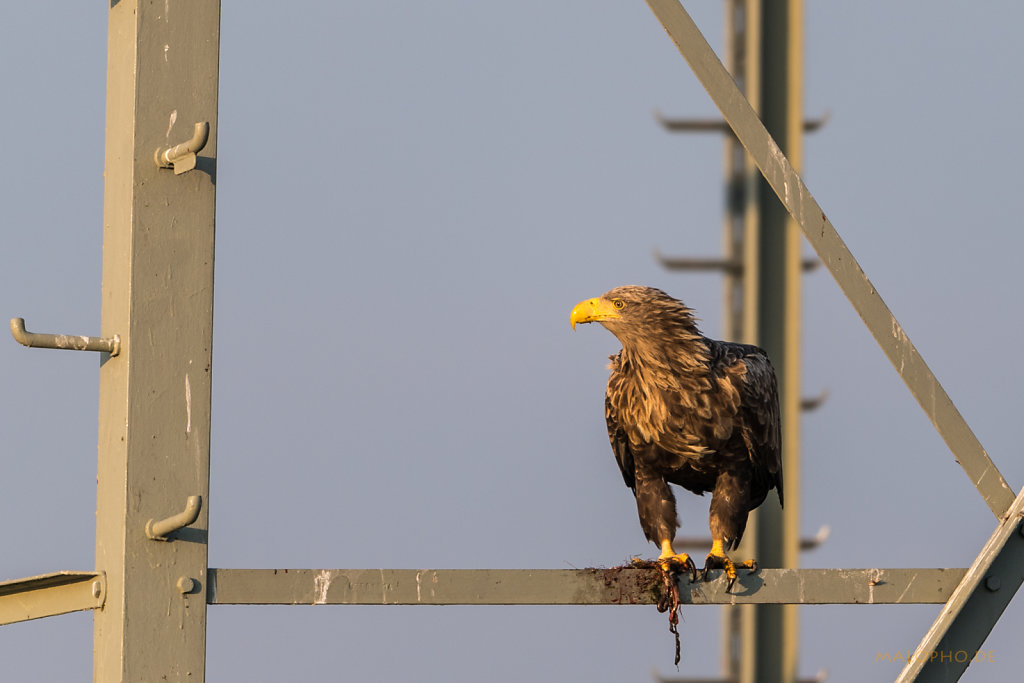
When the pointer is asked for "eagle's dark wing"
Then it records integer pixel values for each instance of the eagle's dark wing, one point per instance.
(758, 411)
(761, 416)
(620, 442)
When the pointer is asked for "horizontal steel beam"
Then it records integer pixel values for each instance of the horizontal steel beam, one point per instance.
(63, 592)
(806, 211)
(50, 594)
(728, 266)
(616, 586)
(692, 125)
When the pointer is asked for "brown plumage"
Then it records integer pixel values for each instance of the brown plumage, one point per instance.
(687, 410)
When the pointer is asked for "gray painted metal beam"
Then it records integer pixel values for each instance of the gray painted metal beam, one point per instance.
(617, 586)
(961, 628)
(695, 125)
(798, 200)
(157, 294)
(48, 595)
(730, 266)
(779, 285)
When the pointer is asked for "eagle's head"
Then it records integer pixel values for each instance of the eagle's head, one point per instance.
(635, 314)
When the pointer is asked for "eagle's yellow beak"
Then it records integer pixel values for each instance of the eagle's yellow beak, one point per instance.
(592, 311)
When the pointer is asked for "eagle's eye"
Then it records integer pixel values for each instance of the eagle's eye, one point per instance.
(618, 303)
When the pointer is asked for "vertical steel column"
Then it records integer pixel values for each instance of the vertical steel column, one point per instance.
(733, 164)
(742, 230)
(778, 531)
(748, 624)
(154, 414)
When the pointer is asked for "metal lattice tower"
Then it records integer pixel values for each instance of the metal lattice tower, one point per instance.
(151, 586)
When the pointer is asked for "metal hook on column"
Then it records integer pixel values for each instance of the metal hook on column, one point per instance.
(111, 345)
(158, 530)
(182, 158)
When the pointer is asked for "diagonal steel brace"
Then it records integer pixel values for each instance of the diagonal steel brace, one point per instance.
(954, 640)
(798, 200)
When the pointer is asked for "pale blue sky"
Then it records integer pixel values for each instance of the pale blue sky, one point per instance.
(454, 177)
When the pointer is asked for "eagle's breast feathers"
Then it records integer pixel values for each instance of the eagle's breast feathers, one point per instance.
(690, 415)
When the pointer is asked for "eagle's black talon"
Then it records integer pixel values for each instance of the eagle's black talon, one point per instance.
(678, 564)
(687, 566)
(710, 562)
(715, 561)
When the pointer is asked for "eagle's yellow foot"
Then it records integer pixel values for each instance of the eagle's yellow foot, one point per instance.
(671, 561)
(717, 559)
